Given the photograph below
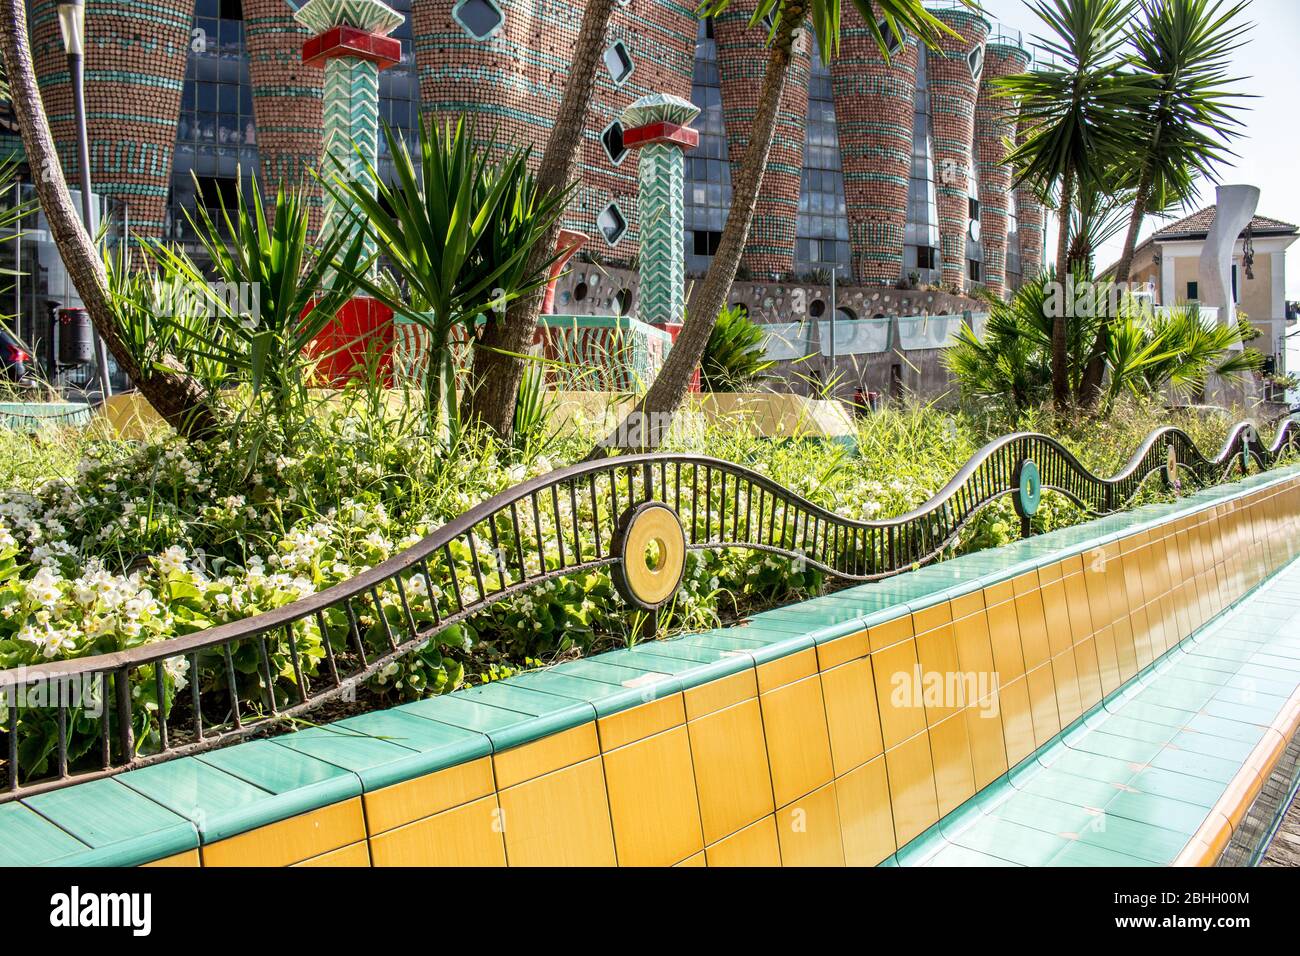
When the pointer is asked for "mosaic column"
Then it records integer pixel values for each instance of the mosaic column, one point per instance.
(995, 125)
(136, 53)
(656, 126)
(954, 74)
(874, 110)
(742, 61)
(1030, 217)
(286, 102)
(350, 39)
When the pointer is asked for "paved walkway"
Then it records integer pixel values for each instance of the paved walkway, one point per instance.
(1131, 783)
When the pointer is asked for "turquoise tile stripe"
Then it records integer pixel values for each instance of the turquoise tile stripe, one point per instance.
(1205, 697)
(1129, 782)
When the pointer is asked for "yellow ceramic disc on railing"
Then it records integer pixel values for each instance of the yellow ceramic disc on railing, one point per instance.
(1171, 465)
(651, 547)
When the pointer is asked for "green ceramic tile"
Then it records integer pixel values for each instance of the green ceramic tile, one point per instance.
(28, 839)
(1070, 788)
(1197, 765)
(1121, 748)
(1158, 811)
(431, 746)
(1122, 726)
(1178, 786)
(459, 711)
(217, 803)
(122, 827)
(1043, 813)
(1154, 844)
(350, 751)
(1221, 747)
(1011, 841)
(1222, 727)
(280, 770)
(961, 856)
(1083, 854)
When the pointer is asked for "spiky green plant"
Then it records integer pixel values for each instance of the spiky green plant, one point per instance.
(734, 359)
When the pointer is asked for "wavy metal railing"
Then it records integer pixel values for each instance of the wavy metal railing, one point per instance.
(80, 719)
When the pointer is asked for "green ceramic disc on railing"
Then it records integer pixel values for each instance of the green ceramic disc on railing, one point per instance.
(1030, 492)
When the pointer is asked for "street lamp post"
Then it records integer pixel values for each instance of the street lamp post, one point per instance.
(72, 24)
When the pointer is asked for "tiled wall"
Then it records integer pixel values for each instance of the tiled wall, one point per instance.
(816, 757)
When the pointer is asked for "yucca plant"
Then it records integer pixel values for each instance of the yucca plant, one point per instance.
(457, 229)
(280, 288)
(734, 358)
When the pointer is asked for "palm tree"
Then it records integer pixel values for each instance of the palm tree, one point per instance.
(785, 22)
(497, 366)
(1080, 117)
(1182, 49)
(176, 395)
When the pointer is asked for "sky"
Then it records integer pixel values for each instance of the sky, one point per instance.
(1268, 148)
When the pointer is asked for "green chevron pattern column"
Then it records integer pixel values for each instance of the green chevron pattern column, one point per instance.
(351, 40)
(655, 125)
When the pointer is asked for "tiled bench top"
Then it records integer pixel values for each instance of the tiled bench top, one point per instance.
(172, 807)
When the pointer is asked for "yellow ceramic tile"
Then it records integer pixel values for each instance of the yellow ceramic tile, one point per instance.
(731, 772)
(1042, 703)
(652, 801)
(851, 714)
(974, 648)
(928, 618)
(717, 694)
(1142, 638)
(808, 830)
(354, 855)
(1004, 635)
(1107, 660)
(1056, 613)
(1072, 565)
(1125, 649)
(896, 673)
(1017, 720)
(292, 840)
(1026, 583)
(911, 787)
(546, 755)
(798, 746)
(559, 819)
(188, 858)
(787, 670)
(866, 823)
(842, 650)
(1066, 677)
(694, 860)
(936, 652)
(1095, 563)
(1049, 573)
(988, 749)
(967, 604)
(954, 776)
(637, 723)
(1087, 673)
(998, 593)
(424, 796)
(755, 845)
(1034, 647)
(891, 632)
(468, 835)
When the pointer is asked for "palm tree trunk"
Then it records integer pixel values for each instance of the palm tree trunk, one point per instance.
(1095, 370)
(496, 371)
(647, 424)
(173, 393)
(1060, 346)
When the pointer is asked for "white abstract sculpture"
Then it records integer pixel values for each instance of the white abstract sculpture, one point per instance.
(1234, 209)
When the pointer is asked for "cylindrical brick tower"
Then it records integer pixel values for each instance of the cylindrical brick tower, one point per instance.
(873, 112)
(742, 62)
(1032, 218)
(954, 70)
(286, 101)
(995, 124)
(136, 51)
(511, 77)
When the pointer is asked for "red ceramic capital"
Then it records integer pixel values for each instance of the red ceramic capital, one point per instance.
(661, 132)
(349, 41)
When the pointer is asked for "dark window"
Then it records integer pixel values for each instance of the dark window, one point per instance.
(230, 10)
(218, 191)
(480, 18)
(1235, 300)
(927, 257)
(705, 242)
(973, 207)
(893, 44)
(612, 140)
(618, 61)
(1193, 292)
(611, 224)
(973, 270)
